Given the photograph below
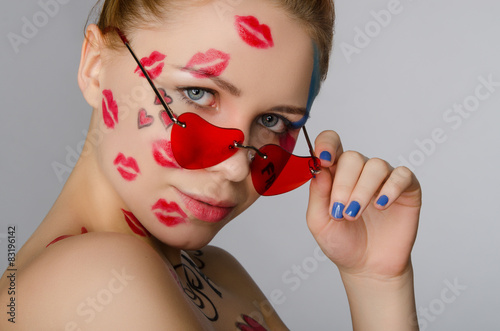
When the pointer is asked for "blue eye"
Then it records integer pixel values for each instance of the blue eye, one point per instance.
(275, 123)
(200, 97)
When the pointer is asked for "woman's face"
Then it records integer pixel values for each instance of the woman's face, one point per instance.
(247, 67)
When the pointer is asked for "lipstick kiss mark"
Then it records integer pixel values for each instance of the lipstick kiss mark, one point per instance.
(135, 225)
(253, 33)
(127, 167)
(212, 63)
(251, 324)
(168, 100)
(109, 109)
(84, 230)
(153, 64)
(165, 213)
(163, 155)
(144, 119)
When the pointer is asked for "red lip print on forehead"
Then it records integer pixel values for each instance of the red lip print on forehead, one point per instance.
(109, 109)
(135, 225)
(253, 33)
(153, 65)
(212, 63)
(127, 167)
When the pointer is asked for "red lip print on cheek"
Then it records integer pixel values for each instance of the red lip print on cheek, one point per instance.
(144, 119)
(109, 109)
(253, 33)
(127, 167)
(163, 155)
(166, 212)
(153, 65)
(135, 225)
(209, 64)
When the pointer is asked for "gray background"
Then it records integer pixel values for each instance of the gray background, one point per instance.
(395, 91)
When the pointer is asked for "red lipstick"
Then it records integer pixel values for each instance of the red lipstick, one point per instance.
(253, 33)
(153, 65)
(212, 63)
(206, 209)
(127, 167)
(109, 109)
(163, 155)
(166, 212)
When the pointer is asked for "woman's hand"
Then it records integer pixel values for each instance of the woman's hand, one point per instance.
(364, 215)
(373, 235)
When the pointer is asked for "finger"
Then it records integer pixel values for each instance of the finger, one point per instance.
(328, 148)
(318, 215)
(374, 174)
(400, 180)
(349, 168)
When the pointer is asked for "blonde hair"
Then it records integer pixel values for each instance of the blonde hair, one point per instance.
(317, 17)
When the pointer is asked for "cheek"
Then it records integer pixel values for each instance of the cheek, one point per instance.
(135, 225)
(253, 33)
(109, 109)
(127, 167)
(153, 64)
(209, 64)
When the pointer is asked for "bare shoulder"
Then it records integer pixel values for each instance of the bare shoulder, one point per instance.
(225, 270)
(100, 281)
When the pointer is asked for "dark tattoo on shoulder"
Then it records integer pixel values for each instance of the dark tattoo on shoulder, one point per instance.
(197, 283)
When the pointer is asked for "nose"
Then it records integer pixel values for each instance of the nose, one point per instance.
(236, 168)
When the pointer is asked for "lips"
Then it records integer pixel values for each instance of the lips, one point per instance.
(109, 109)
(153, 64)
(212, 63)
(169, 213)
(206, 209)
(127, 167)
(135, 225)
(253, 33)
(163, 155)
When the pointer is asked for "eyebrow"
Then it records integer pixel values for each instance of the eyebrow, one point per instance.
(223, 84)
(290, 110)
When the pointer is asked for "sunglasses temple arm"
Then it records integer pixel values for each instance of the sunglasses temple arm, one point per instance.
(160, 97)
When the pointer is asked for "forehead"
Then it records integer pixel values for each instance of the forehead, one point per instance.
(265, 48)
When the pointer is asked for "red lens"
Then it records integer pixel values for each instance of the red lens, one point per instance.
(281, 171)
(202, 145)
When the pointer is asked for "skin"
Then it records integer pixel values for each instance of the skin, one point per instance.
(371, 250)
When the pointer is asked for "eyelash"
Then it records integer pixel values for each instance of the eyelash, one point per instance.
(287, 123)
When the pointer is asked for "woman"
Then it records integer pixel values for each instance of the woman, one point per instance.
(189, 108)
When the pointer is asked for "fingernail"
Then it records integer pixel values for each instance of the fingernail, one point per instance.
(337, 210)
(383, 200)
(326, 156)
(353, 209)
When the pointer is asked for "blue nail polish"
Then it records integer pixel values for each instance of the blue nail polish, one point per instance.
(383, 200)
(326, 156)
(353, 209)
(337, 210)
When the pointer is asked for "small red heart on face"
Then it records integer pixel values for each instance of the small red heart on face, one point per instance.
(144, 119)
(165, 118)
(168, 100)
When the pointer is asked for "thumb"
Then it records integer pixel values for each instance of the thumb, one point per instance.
(320, 189)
